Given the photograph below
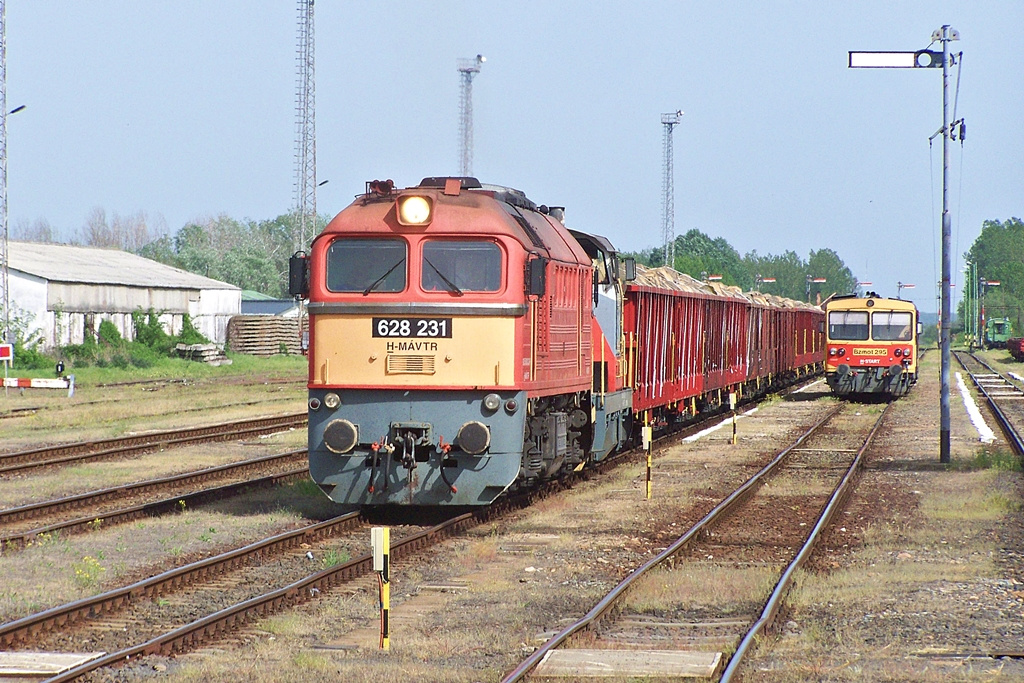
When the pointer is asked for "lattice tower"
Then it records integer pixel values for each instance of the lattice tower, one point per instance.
(305, 127)
(468, 69)
(668, 210)
(4, 246)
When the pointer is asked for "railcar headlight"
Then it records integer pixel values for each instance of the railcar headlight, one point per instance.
(831, 352)
(898, 352)
(492, 401)
(841, 352)
(906, 352)
(332, 400)
(414, 210)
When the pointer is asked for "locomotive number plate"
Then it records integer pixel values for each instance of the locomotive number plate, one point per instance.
(423, 328)
(871, 352)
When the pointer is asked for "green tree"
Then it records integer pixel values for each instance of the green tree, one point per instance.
(838, 278)
(998, 255)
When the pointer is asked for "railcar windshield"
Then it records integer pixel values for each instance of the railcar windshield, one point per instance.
(458, 267)
(891, 326)
(848, 325)
(364, 266)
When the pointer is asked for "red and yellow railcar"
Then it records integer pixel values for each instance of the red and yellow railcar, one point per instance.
(872, 345)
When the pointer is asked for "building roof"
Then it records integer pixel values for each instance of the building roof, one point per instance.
(253, 295)
(90, 265)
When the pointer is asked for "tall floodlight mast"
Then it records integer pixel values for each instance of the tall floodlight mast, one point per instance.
(305, 128)
(668, 206)
(468, 69)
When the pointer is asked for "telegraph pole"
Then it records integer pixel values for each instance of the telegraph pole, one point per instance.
(668, 207)
(931, 59)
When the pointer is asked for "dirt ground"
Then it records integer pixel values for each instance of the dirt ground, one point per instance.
(922, 581)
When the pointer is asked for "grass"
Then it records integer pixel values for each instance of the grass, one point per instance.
(241, 364)
(694, 587)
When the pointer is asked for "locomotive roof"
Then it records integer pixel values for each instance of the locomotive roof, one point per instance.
(471, 209)
(847, 303)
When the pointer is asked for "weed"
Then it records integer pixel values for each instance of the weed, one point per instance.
(332, 558)
(88, 571)
(996, 459)
(95, 524)
(181, 504)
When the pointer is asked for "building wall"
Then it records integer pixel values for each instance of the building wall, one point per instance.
(28, 303)
(65, 313)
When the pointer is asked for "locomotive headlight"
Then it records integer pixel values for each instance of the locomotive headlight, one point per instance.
(332, 400)
(492, 401)
(414, 210)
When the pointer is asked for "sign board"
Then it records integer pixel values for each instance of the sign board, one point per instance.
(6, 352)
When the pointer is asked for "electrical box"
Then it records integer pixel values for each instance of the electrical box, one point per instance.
(732, 400)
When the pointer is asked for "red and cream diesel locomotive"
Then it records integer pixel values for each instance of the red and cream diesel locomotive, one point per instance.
(463, 341)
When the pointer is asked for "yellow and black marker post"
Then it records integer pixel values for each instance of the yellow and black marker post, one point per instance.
(648, 439)
(732, 407)
(380, 540)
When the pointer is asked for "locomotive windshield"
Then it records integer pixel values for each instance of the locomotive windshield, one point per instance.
(848, 325)
(358, 265)
(461, 266)
(891, 326)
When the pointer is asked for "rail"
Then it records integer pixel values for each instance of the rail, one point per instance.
(600, 610)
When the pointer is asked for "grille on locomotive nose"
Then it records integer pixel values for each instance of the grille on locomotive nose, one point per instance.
(410, 365)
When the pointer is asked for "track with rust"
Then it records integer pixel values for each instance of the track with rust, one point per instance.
(118, 504)
(1004, 395)
(126, 446)
(759, 525)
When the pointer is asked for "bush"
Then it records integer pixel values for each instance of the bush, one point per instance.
(109, 335)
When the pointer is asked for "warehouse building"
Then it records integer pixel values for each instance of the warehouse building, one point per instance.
(66, 291)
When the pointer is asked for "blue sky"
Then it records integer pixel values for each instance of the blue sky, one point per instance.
(185, 110)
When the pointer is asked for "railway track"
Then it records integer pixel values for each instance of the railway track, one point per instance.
(158, 615)
(20, 525)
(1003, 394)
(727, 535)
(115, 614)
(120, 447)
(26, 411)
